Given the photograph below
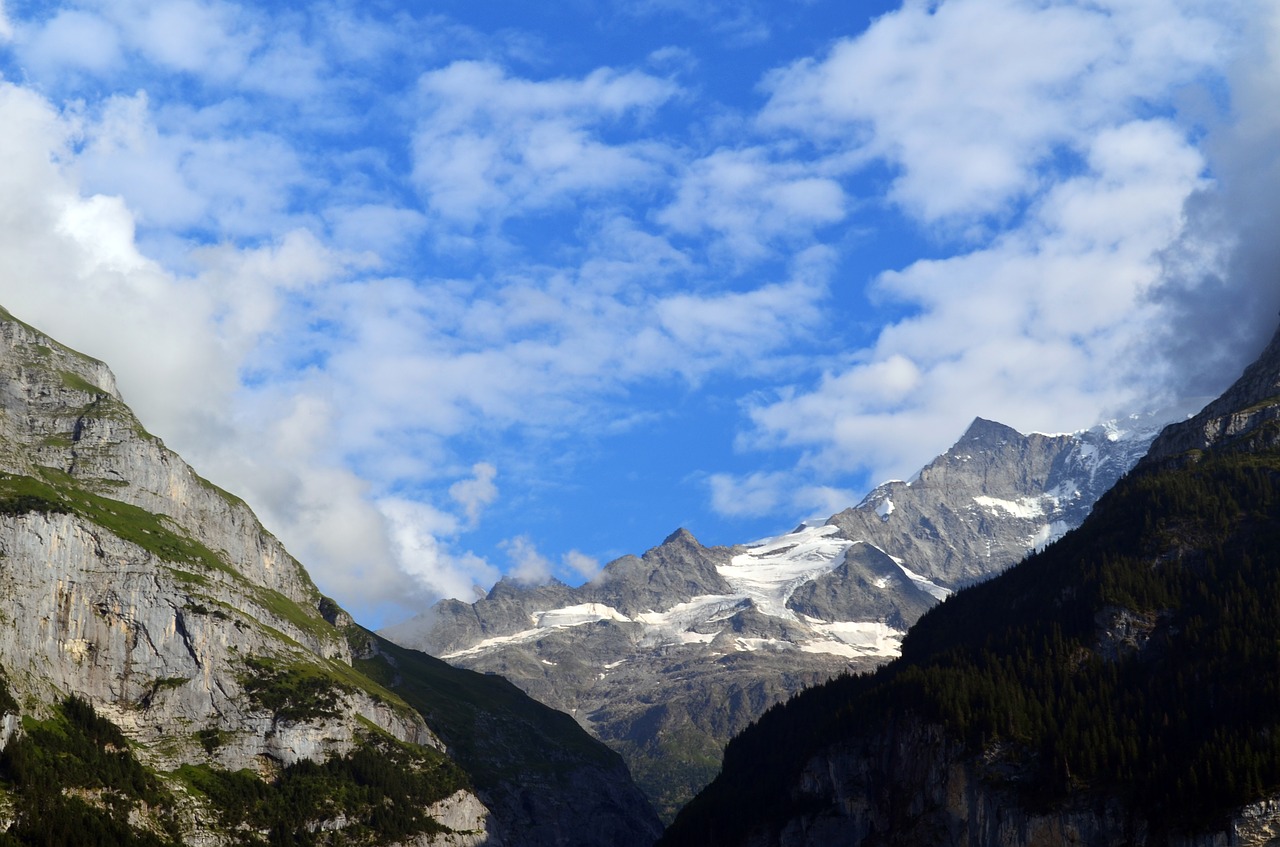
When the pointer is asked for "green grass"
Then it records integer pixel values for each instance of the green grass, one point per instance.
(60, 492)
(292, 691)
(75, 382)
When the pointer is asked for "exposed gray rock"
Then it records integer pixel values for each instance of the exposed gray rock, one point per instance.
(993, 497)
(1247, 415)
(867, 579)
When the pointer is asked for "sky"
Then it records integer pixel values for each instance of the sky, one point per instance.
(451, 291)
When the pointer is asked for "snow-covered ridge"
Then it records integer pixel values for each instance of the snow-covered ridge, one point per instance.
(763, 577)
(773, 568)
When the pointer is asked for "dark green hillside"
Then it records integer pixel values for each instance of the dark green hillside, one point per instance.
(526, 759)
(1137, 658)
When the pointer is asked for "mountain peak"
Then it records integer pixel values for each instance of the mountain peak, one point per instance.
(987, 433)
(682, 536)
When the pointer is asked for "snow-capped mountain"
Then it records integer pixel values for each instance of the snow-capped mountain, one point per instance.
(666, 655)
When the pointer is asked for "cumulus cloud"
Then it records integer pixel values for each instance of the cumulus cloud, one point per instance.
(527, 564)
(477, 492)
(289, 307)
(1220, 290)
(967, 99)
(417, 532)
(72, 41)
(750, 202)
(583, 566)
(186, 173)
(69, 261)
(986, 111)
(532, 568)
(489, 145)
(1042, 330)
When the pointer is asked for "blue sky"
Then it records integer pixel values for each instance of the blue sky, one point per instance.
(459, 290)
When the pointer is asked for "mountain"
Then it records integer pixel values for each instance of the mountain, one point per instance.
(1117, 688)
(667, 655)
(169, 674)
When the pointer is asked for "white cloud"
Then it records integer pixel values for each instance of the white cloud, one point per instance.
(417, 530)
(291, 316)
(532, 568)
(489, 146)
(750, 202)
(586, 567)
(1041, 330)
(73, 40)
(969, 98)
(199, 174)
(477, 492)
(780, 495)
(1218, 294)
(527, 564)
(184, 35)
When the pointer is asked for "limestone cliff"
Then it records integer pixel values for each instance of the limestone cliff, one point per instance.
(130, 584)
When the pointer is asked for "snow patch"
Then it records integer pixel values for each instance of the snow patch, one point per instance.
(554, 619)
(922, 582)
(773, 568)
(1027, 507)
(1049, 533)
(578, 615)
(857, 639)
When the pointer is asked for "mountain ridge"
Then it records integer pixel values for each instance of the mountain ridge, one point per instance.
(667, 654)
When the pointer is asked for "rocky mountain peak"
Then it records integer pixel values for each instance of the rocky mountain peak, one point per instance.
(1078, 696)
(665, 654)
(681, 536)
(983, 433)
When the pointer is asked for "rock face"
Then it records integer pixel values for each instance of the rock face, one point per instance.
(667, 655)
(1246, 417)
(132, 585)
(995, 496)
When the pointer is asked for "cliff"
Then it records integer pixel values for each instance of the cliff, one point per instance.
(200, 676)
